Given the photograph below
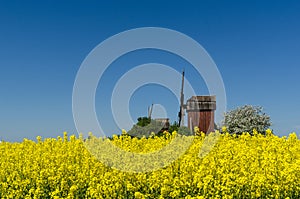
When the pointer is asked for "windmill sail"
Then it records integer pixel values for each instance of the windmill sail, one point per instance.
(150, 108)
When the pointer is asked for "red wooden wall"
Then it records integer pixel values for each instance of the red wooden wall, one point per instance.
(203, 119)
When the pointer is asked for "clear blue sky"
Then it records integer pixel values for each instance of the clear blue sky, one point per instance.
(255, 44)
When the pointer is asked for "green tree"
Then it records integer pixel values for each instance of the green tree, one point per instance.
(184, 130)
(143, 121)
(174, 127)
(245, 119)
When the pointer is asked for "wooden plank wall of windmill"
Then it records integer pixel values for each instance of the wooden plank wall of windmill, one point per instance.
(202, 119)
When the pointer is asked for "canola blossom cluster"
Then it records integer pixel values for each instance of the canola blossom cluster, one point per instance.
(245, 166)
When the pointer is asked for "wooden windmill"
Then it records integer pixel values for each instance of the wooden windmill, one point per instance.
(200, 109)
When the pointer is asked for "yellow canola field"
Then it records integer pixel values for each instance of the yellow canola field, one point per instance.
(235, 167)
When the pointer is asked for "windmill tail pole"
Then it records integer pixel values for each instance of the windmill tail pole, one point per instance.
(181, 111)
(179, 117)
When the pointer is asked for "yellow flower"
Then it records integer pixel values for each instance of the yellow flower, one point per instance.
(124, 132)
(232, 167)
(139, 195)
(224, 129)
(269, 132)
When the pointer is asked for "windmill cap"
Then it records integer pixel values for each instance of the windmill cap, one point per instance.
(203, 98)
(201, 103)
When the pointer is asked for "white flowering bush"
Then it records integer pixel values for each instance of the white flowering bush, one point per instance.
(245, 119)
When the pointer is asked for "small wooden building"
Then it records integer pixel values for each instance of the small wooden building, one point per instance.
(201, 112)
(164, 122)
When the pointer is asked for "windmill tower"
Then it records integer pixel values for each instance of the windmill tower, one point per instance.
(165, 124)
